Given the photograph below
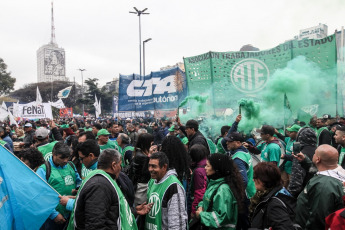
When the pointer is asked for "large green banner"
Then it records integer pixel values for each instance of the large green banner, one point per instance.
(298, 65)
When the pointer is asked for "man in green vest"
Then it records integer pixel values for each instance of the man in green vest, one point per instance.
(88, 152)
(167, 194)
(64, 178)
(42, 141)
(100, 204)
(243, 161)
(322, 132)
(103, 140)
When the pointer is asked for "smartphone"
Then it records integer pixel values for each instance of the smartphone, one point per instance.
(296, 148)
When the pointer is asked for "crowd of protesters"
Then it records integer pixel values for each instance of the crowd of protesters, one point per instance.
(162, 174)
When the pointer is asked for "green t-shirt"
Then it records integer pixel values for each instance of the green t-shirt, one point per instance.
(270, 152)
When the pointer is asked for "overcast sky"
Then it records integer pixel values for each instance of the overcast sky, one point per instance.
(103, 37)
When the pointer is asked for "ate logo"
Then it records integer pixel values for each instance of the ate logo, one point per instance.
(154, 198)
(250, 75)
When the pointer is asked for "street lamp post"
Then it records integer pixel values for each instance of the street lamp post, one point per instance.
(82, 86)
(147, 40)
(139, 13)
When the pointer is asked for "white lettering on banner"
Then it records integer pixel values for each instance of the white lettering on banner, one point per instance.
(141, 88)
(250, 75)
(165, 99)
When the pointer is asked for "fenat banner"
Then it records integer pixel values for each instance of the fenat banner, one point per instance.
(229, 76)
(33, 110)
(162, 90)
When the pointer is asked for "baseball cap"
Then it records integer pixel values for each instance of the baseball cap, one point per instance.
(103, 132)
(41, 133)
(294, 128)
(28, 125)
(234, 137)
(340, 128)
(192, 124)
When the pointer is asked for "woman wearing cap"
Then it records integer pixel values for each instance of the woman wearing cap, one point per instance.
(224, 194)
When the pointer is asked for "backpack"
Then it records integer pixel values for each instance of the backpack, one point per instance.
(49, 168)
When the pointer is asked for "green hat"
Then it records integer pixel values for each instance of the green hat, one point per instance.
(89, 129)
(184, 140)
(103, 132)
(294, 128)
(172, 128)
(65, 126)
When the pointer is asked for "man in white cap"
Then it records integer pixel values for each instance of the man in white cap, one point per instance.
(29, 135)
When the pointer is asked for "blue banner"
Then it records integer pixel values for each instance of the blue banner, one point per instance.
(26, 201)
(163, 90)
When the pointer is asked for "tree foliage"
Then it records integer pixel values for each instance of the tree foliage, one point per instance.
(27, 93)
(6, 81)
(89, 97)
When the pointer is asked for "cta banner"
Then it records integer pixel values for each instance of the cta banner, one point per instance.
(159, 90)
(66, 112)
(33, 110)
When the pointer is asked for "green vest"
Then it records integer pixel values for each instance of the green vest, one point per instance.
(212, 147)
(3, 143)
(220, 148)
(246, 157)
(108, 145)
(127, 220)
(341, 156)
(318, 133)
(63, 181)
(155, 195)
(289, 149)
(47, 150)
(131, 148)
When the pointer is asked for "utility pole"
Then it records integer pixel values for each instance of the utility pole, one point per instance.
(82, 86)
(139, 13)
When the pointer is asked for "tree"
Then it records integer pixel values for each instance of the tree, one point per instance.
(28, 92)
(6, 81)
(89, 97)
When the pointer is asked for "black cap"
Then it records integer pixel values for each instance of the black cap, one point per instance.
(234, 137)
(192, 124)
(340, 128)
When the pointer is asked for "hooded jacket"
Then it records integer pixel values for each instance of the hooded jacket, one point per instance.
(224, 210)
(298, 177)
(276, 210)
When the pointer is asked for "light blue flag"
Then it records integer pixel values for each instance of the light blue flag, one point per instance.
(26, 201)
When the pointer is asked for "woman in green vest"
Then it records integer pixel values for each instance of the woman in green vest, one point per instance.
(224, 194)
